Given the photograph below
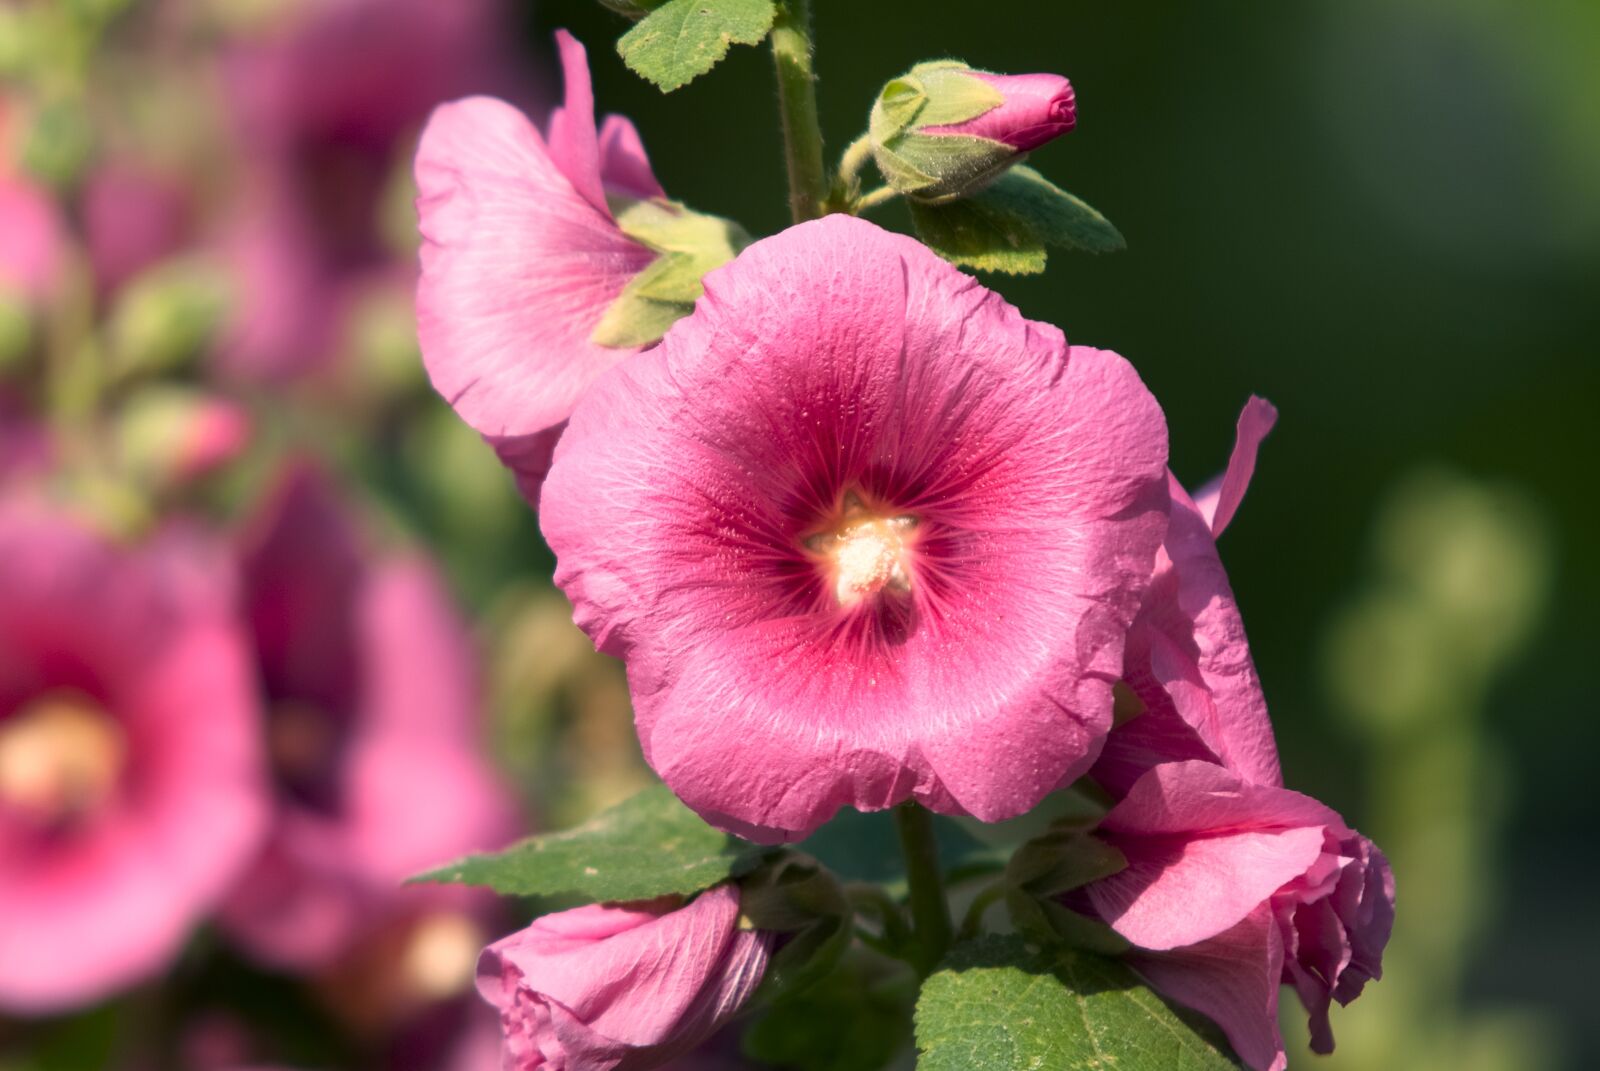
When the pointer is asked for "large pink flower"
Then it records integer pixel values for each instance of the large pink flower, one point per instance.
(324, 109)
(1188, 660)
(863, 534)
(373, 719)
(1234, 888)
(520, 259)
(622, 987)
(131, 790)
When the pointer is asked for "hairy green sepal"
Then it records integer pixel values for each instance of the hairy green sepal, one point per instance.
(690, 244)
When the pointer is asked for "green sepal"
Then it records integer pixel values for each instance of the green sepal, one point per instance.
(690, 244)
(1007, 226)
(1002, 1004)
(648, 846)
(683, 39)
(856, 1018)
(796, 895)
(1041, 870)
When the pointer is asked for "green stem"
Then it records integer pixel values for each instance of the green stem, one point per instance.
(930, 913)
(797, 101)
(874, 198)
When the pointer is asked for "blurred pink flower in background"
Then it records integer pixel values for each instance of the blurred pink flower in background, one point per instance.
(131, 787)
(1188, 660)
(1233, 889)
(622, 985)
(863, 534)
(521, 257)
(133, 215)
(324, 109)
(374, 731)
(32, 249)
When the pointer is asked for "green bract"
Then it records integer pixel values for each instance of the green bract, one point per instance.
(690, 245)
(934, 168)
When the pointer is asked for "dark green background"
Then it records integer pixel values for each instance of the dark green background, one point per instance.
(1383, 216)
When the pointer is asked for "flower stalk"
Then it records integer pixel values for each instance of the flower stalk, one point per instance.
(930, 912)
(797, 103)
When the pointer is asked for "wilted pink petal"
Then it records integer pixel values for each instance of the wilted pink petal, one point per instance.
(1232, 979)
(131, 789)
(622, 986)
(1233, 888)
(863, 534)
(1038, 108)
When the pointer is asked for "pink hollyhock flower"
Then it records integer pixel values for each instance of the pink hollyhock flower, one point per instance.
(132, 217)
(324, 109)
(131, 789)
(626, 986)
(1188, 661)
(521, 257)
(1038, 108)
(1234, 888)
(373, 728)
(31, 253)
(863, 534)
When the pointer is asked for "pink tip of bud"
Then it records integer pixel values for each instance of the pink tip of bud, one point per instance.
(1038, 108)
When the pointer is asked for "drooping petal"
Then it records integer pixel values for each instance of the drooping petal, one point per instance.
(1219, 499)
(838, 356)
(1233, 980)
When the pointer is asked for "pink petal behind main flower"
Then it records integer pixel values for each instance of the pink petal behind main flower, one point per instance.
(1219, 499)
(574, 145)
(517, 269)
(623, 163)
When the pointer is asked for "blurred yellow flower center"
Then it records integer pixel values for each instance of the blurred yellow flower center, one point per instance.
(865, 552)
(61, 757)
(442, 954)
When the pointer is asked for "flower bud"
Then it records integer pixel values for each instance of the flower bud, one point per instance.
(944, 130)
(622, 984)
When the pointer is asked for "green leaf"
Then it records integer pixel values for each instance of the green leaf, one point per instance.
(974, 235)
(648, 846)
(683, 39)
(999, 1004)
(1006, 226)
(1058, 217)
